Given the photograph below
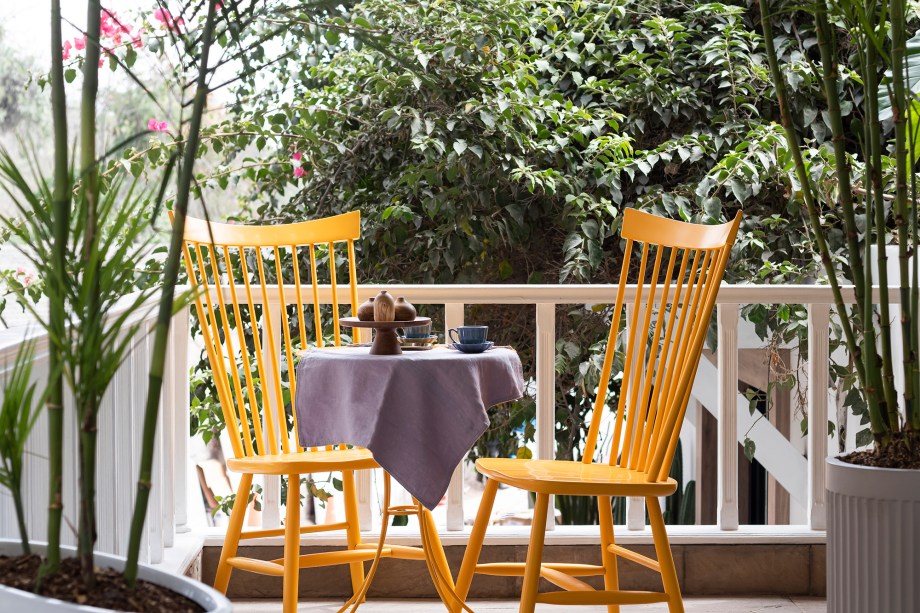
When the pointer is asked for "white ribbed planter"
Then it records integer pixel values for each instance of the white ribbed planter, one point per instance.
(17, 600)
(873, 539)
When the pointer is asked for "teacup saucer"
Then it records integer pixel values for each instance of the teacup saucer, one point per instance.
(418, 341)
(473, 347)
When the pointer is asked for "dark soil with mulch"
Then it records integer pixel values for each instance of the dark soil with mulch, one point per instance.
(110, 591)
(902, 452)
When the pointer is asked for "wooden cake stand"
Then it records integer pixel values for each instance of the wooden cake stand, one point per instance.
(386, 342)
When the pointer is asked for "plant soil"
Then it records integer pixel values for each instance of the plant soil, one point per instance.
(110, 592)
(902, 452)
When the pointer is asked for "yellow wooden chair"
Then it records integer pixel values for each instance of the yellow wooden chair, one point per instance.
(230, 264)
(668, 322)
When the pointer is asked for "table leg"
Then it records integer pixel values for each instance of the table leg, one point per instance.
(358, 597)
(436, 561)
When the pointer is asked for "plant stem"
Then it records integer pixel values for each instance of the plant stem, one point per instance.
(165, 313)
(91, 318)
(875, 207)
(899, 108)
(16, 492)
(86, 537)
(808, 193)
(56, 307)
(845, 188)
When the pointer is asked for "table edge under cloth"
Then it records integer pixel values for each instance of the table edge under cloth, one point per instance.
(377, 436)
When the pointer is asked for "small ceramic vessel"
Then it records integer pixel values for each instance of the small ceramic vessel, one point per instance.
(404, 310)
(384, 307)
(366, 310)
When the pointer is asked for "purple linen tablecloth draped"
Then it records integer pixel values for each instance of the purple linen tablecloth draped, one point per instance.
(418, 413)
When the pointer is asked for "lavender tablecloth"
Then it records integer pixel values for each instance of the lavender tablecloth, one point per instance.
(418, 413)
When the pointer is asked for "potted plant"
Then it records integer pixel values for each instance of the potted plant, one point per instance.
(85, 231)
(865, 178)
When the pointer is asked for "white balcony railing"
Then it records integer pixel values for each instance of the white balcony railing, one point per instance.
(799, 471)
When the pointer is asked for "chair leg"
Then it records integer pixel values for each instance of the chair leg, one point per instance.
(232, 538)
(611, 577)
(663, 552)
(474, 547)
(534, 555)
(353, 532)
(291, 545)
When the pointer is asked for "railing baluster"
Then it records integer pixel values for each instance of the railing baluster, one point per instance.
(125, 480)
(271, 489)
(818, 361)
(179, 401)
(363, 491)
(453, 317)
(170, 446)
(728, 420)
(635, 505)
(546, 392)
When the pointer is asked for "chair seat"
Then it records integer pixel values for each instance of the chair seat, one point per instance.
(304, 462)
(572, 478)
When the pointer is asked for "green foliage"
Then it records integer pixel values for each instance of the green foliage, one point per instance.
(18, 412)
(495, 142)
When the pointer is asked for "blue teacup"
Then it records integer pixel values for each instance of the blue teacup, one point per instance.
(469, 335)
(416, 331)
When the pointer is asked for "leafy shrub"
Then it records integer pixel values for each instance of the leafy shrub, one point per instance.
(497, 142)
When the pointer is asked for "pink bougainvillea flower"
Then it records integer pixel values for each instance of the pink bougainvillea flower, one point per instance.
(297, 156)
(136, 41)
(79, 43)
(169, 22)
(157, 126)
(299, 171)
(65, 52)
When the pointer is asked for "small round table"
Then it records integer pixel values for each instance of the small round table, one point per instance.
(418, 413)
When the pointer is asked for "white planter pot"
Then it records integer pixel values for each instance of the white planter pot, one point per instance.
(873, 539)
(17, 600)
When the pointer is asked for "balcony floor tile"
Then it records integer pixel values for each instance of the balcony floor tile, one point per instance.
(765, 604)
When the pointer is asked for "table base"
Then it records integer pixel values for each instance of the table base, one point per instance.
(431, 551)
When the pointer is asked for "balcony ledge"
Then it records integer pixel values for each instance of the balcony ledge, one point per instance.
(562, 535)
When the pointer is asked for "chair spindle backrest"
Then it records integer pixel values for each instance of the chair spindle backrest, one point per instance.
(252, 329)
(666, 324)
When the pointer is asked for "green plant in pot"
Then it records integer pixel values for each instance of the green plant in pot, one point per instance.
(866, 179)
(85, 231)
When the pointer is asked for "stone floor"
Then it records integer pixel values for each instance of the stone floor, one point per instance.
(766, 604)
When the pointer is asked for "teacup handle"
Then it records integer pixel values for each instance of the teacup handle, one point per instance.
(451, 333)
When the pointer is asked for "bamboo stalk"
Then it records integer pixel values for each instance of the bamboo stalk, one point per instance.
(899, 102)
(56, 308)
(86, 535)
(875, 200)
(808, 195)
(88, 404)
(913, 414)
(842, 161)
(164, 315)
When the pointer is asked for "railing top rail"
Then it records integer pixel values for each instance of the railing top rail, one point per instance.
(498, 294)
(579, 293)
(12, 338)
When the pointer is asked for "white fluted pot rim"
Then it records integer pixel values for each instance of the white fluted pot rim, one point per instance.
(872, 481)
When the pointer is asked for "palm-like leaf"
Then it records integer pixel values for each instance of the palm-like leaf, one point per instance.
(18, 413)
